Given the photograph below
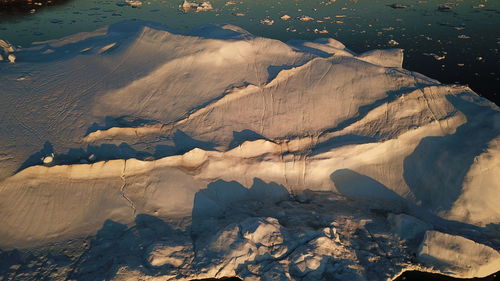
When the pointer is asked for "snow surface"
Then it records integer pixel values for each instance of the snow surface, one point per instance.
(216, 153)
(465, 257)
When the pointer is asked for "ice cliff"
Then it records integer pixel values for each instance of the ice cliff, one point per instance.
(215, 153)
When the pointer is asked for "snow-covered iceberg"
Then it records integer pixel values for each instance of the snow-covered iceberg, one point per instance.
(215, 153)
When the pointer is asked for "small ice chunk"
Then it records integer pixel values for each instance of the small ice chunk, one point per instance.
(107, 48)
(331, 232)
(48, 159)
(134, 3)
(436, 57)
(393, 42)
(322, 31)
(267, 22)
(398, 6)
(6, 46)
(92, 157)
(444, 8)
(197, 7)
(5, 50)
(285, 17)
(305, 18)
(204, 6)
(188, 6)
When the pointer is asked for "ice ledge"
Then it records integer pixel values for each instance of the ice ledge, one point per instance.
(458, 256)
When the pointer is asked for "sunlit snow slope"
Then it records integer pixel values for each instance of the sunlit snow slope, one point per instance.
(234, 155)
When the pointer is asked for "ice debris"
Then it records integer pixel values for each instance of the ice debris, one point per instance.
(392, 43)
(267, 22)
(197, 7)
(285, 17)
(436, 57)
(134, 3)
(305, 18)
(49, 159)
(6, 50)
(398, 6)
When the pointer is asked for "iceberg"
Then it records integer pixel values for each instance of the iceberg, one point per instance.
(215, 153)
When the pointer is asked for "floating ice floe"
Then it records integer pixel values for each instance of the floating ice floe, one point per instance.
(49, 159)
(320, 31)
(6, 47)
(436, 57)
(392, 42)
(11, 58)
(267, 22)
(195, 6)
(6, 51)
(398, 6)
(445, 7)
(134, 3)
(285, 17)
(305, 18)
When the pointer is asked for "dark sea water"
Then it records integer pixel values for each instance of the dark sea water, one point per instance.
(453, 41)
(406, 276)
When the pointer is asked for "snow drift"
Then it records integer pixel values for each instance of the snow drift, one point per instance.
(216, 153)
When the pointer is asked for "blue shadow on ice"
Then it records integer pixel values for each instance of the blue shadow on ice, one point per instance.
(377, 196)
(36, 158)
(354, 185)
(219, 195)
(436, 169)
(121, 121)
(182, 143)
(243, 136)
(221, 199)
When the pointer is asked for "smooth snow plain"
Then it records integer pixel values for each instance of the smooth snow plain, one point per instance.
(213, 153)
